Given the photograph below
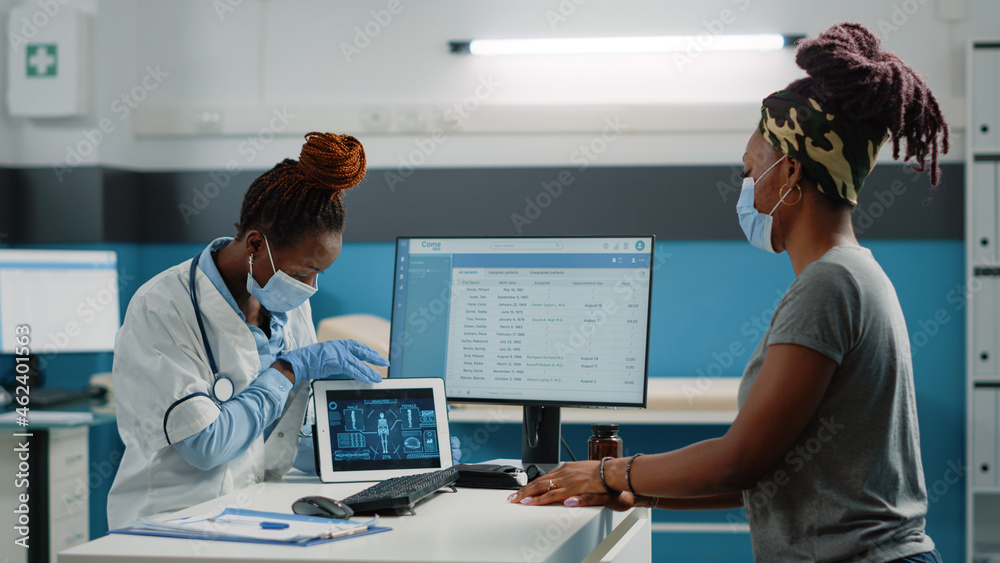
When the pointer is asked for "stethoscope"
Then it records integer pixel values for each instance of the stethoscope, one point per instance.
(222, 386)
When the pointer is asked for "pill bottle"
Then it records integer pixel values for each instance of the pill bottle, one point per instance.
(605, 442)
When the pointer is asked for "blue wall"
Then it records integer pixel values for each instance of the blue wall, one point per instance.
(708, 297)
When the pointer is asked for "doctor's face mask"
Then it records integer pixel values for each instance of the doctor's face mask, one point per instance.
(282, 292)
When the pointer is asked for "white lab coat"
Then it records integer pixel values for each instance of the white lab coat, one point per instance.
(163, 394)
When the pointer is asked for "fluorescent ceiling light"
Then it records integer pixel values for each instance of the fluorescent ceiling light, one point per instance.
(605, 45)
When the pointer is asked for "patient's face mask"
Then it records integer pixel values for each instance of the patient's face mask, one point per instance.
(282, 293)
(756, 225)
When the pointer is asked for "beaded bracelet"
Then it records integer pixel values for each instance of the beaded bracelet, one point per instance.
(603, 482)
(628, 474)
(652, 502)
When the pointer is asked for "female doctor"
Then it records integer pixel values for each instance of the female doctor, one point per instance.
(212, 361)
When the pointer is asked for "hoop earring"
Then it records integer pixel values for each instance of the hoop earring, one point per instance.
(798, 187)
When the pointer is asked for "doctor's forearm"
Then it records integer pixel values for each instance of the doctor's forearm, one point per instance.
(241, 420)
(285, 368)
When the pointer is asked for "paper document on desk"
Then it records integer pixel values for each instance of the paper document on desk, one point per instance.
(233, 524)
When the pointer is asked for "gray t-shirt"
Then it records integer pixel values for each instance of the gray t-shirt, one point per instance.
(852, 488)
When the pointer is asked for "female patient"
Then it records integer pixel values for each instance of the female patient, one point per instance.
(834, 367)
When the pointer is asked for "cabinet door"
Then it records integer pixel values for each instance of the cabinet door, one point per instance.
(985, 96)
(983, 310)
(67, 533)
(68, 496)
(68, 453)
(983, 210)
(984, 436)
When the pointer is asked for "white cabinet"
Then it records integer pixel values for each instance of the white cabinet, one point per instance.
(983, 338)
(57, 487)
(982, 243)
(984, 436)
(984, 130)
(983, 210)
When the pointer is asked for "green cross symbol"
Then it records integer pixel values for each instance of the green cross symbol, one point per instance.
(42, 59)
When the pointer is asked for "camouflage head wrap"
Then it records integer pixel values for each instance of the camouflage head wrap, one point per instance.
(837, 153)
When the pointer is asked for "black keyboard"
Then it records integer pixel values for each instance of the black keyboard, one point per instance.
(399, 494)
(54, 396)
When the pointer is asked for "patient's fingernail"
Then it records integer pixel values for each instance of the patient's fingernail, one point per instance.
(512, 497)
(526, 500)
(572, 501)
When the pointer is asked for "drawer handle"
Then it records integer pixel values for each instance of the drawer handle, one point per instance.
(75, 537)
(984, 356)
(72, 458)
(984, 241)
(984, 467)
(984, 128)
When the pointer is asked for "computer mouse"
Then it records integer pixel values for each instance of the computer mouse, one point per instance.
(321, 506)
(534, 472)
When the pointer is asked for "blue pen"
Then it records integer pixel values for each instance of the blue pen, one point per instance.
(267, 525)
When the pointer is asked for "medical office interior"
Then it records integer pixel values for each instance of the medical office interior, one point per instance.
(159, 114)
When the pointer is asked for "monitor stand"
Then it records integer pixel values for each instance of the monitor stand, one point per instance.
(541, 437)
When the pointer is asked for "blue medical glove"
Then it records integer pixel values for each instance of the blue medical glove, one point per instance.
(334, 357)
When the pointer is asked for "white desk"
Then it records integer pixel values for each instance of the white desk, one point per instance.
(470, 525)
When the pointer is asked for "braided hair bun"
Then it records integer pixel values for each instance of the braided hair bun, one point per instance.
(332, 161)
(296, 198)
(851, 74)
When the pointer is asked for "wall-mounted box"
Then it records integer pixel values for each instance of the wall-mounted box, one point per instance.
(47, 60)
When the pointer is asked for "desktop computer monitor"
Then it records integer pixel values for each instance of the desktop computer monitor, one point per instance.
(66, 300)
(542, 322)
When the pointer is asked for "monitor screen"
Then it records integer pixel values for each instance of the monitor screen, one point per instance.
(558, 321)
(68, 299)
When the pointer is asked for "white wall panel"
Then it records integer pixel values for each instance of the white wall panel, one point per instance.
(266, 53)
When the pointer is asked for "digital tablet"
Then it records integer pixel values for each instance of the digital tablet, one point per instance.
(372, 432)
